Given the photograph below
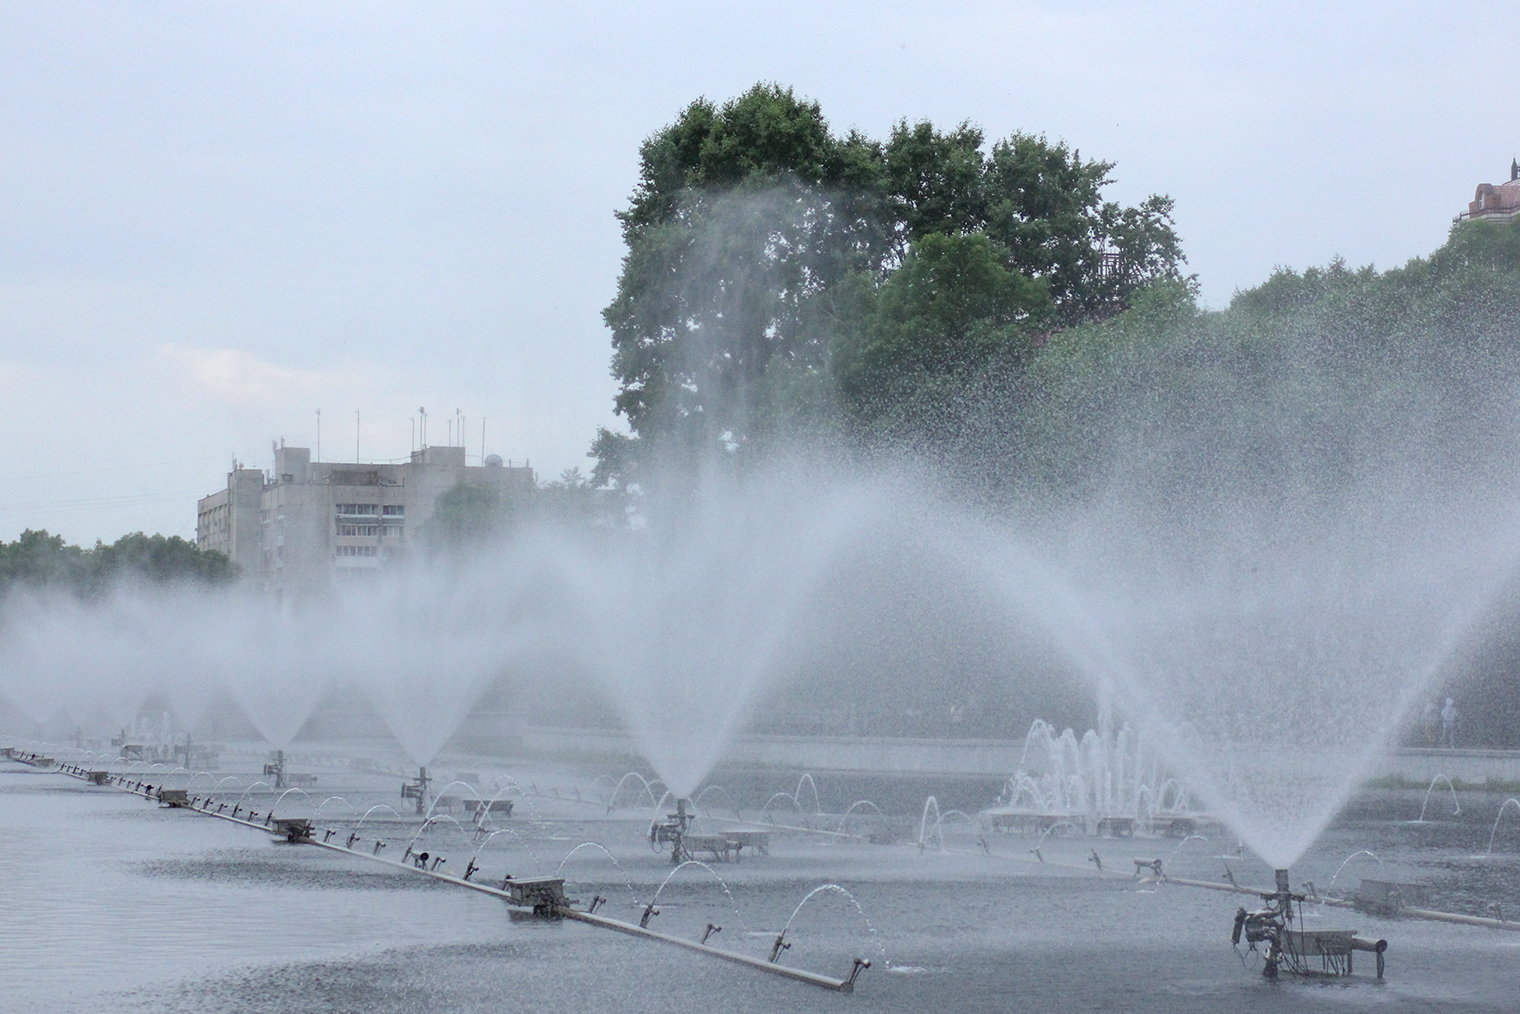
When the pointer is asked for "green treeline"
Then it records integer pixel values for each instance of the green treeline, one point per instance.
(41, 561)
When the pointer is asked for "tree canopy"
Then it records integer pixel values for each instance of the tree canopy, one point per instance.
(761, 246)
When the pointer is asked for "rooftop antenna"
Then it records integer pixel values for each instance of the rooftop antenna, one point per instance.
(458, 431)
(423, 413)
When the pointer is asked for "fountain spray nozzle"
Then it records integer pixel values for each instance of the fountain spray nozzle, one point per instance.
(780, 944)
(1269, 925)
(418, 789)
(673, 831)
(275, 767)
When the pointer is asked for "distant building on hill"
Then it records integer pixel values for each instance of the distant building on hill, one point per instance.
(1496, 203)
(307, 524)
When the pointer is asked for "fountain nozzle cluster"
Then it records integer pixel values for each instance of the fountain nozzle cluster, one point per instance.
(274, 768)
(673, 831)
(417, 789)
(1273, 925)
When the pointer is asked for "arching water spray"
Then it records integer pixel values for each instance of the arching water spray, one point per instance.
(1492, 834)
(1456, 807)
(861, 912)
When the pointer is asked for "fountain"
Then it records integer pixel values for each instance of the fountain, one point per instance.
(1290, 948)
(1255, 601)
(1107, 783)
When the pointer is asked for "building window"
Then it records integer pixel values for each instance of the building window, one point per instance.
(357, 551)
(392, 531)
(394, 510)
(362, 510)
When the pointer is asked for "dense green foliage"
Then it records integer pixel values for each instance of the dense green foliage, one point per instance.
(1328, 396)
(466, 516)
(38, 560)
(773, 266)
(1324, 374)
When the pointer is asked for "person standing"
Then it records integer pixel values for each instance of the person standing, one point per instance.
(1449, 724)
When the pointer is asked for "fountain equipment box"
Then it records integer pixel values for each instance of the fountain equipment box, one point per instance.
(294, 829)
(545, 895)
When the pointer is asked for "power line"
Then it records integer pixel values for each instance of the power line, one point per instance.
(92, 503)
(114, 468)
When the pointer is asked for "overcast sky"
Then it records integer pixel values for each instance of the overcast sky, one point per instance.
(216, 219)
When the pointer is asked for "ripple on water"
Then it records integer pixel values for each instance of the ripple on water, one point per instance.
(252, 868)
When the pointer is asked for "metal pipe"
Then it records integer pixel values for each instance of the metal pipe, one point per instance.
(795, 974)
(759, 964)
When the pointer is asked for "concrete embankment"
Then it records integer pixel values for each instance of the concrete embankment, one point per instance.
(505, 734)
(982, 758)
(1493, 768)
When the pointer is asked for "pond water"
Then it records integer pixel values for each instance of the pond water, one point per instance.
(114, 903)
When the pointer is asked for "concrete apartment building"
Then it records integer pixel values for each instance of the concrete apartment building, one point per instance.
(309, 524)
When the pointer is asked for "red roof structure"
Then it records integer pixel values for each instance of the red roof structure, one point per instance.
(1497, 203)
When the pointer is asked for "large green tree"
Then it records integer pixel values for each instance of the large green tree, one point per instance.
(758, 240)
(742, 215)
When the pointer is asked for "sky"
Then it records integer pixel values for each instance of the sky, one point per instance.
(217, 220)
